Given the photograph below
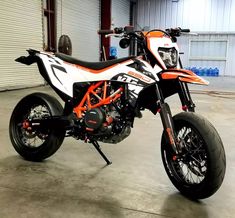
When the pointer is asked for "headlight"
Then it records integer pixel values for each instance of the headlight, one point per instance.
(169, 56)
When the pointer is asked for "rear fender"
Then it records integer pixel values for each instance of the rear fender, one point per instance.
(54, 105)
(186, 76)
(28, 60)
(34, 58)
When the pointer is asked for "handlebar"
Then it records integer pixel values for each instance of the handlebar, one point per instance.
(105, 32)
(117, 30)
(176, 32)
(185, 30)
(129, 32)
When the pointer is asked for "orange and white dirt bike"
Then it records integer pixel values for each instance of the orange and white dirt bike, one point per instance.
(102, 99)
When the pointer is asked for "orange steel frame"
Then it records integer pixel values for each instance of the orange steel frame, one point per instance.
(98, 90)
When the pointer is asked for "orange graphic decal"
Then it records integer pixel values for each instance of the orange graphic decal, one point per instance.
(140, 77)
(169, 132)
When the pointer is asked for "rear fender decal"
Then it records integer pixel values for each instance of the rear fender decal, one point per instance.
(53, 67)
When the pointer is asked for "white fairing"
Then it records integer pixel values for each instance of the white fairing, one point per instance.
(63, 75)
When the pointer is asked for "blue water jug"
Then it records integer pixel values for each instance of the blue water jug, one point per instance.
(113, 52)
(216, 71)
(210, 72)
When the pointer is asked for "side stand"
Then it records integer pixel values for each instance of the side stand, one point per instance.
(97, 146)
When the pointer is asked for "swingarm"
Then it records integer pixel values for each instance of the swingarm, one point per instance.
(56, 122)
(52, 122)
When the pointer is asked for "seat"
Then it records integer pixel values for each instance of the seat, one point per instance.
(92, 65)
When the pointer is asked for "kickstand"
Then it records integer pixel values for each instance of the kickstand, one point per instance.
(97, 146)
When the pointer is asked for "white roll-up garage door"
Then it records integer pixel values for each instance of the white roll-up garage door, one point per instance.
(80, 20)
(20, 29)
(120, 14)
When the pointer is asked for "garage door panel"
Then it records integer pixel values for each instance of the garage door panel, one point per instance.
(21, 28)
(80, 20)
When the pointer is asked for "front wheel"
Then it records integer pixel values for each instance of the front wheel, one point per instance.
(199, 168)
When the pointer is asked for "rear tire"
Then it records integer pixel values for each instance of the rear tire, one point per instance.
(199, 170)
(35, 145)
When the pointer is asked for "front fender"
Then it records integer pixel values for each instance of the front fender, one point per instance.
(183, 75)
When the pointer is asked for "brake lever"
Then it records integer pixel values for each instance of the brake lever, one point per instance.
(192, 34)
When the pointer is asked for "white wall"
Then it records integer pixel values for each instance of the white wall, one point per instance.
(120, 15)
(20, 29)
(225, 66)
(80, 20)
(212, 19)
(198, 15)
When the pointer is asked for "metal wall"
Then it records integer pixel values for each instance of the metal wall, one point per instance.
(210, 50)
(199, 15)
(120, 15)
(20, 29)
(80, 20)
(214, 20)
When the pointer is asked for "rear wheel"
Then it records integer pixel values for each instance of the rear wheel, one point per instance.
(198, 170)
(35, 145)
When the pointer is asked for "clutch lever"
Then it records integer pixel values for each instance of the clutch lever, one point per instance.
(119, 35)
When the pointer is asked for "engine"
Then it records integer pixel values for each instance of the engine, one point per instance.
(94, 119)
(105, 124)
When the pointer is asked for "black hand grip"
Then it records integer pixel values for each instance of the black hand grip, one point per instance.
(185, 30)
(105, 31)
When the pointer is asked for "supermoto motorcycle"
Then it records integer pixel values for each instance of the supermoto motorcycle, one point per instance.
(102, 99)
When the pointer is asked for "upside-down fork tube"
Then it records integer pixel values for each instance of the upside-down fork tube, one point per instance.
(168, 126)
(185, 97)
(167, 121)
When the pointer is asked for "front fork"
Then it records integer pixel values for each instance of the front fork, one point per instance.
(168, 126)
(166, 116)
(185, 97)
(167, 122)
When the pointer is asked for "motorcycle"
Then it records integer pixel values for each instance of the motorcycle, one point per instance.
(102, 100)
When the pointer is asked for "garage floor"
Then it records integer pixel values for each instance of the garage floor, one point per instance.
(76, 183)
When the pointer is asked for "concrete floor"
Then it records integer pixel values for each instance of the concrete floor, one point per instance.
(76, 183)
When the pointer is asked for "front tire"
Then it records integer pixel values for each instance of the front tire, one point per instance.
(40, 144)
(198, 170)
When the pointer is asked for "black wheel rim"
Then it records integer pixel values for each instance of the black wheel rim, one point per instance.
(190, 166)
(31, 139)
